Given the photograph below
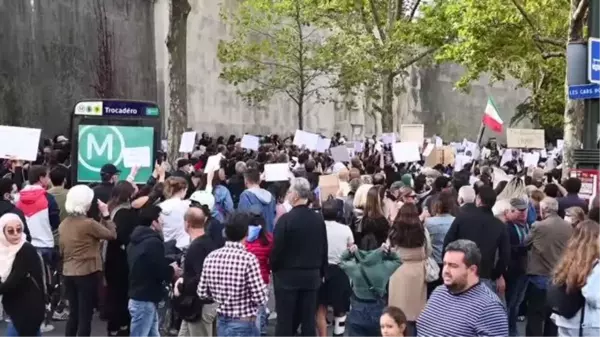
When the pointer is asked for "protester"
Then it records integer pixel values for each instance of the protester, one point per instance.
(231, 278)
(393, 322)
(254, 195)
(79, 240)
(298, 268)
(21, 279)
(463, 306)
(172, 211)
(148, 270)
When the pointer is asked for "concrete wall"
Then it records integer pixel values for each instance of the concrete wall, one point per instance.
(49, 55)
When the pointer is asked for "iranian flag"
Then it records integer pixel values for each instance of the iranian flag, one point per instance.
(491, 118)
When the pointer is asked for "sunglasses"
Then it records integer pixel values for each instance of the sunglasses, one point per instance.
(14, 231)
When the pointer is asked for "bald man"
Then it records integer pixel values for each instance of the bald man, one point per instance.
(198, 318)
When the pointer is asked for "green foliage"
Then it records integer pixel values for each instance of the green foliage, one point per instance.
(523, 39)
(276, 47)
(377, 40)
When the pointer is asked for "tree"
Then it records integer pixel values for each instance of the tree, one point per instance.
(275, 49)
(377, 40)
(177, 48)
(523, 39)
(103, 65)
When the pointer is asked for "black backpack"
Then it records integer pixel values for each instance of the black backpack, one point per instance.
(563, 303)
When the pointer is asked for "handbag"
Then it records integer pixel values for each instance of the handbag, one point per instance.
(432, 270)
(563, 303)
(188, 307)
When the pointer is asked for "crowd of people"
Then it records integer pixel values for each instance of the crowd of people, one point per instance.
(396, 250)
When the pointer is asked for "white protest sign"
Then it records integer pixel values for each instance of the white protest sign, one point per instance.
(164, 145)
(358, 147)
(323, 144)
(250, 142)
(306, 139)
(137, 156)
(428, 149)
(412, 133)
(20, 143)
(388, 138)
(213, 163)
(526, 138)
(277, 172)
(531, 159)
(188, 141)
(340, 153)
(406, 152)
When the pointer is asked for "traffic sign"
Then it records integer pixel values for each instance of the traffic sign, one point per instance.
(105, 144)
(584, 91)
(594, 60)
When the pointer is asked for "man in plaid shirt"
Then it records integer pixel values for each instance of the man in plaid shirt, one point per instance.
(231, 278)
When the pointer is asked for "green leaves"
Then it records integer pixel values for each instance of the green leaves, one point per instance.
(523, 39)
(276, 47)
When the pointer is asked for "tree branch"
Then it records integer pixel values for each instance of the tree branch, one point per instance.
(551, 41)
(553, 54)
(581, 10)
(376, 107)
(377, 20)
(413, 11)
(415, 59)
(365, 20)
(274, 64)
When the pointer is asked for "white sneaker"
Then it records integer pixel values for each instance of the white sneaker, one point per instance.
(60, 316)
(272, 316)
(46, 328)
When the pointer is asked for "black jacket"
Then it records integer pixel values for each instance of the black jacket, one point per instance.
(115, 263)
(192, 270)
(8, 207)
(23, 292)
(488, 232)
(148, 268)
(236, 186)
(517, 265)
(102, 192)
(295, 263)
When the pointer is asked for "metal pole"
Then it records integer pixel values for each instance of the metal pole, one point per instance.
(479, 138)
(592, 107)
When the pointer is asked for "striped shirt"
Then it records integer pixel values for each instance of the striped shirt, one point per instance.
(475, 312)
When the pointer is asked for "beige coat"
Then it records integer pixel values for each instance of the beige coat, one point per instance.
(408, 290)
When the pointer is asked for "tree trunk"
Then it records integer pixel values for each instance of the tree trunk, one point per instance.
(177, 48)
(574, 110)
(387, 103)
(301, 114)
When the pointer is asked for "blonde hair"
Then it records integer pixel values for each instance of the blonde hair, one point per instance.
(514, 189)
(578, 257)
(79, 199)
(360, 197)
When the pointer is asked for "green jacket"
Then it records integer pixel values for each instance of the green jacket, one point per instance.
(60, 194)
(377, 265)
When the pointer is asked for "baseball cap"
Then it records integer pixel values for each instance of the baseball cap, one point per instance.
(109, 169)
(203, 198)
(518, 203)
(182, 162)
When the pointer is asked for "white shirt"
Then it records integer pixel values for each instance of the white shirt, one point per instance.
(339, 237)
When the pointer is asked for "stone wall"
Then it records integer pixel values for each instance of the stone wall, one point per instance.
(215, 107)
(49, 57)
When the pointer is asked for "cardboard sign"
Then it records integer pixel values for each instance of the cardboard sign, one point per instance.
(526, 138)
(328, 186)
(443, 155)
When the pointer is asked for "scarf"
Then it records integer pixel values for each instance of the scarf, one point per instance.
(9, 251)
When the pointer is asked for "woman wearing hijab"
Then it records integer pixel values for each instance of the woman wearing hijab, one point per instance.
(21, 280)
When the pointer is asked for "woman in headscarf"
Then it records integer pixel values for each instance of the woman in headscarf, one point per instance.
(21, 280)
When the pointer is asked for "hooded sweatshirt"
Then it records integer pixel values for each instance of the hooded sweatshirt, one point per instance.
(148, 268)
(255, 246)
(264, 199)
(42, 214)
(173, 211)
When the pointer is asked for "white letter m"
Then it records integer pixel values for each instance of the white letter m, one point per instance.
(92, 144)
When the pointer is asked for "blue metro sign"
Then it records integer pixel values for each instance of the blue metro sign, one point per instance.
(594, 60)
(585, 91)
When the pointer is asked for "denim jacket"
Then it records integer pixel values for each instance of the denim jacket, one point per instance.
(591, 321)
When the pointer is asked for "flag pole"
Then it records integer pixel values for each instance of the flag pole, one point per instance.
(479, 138)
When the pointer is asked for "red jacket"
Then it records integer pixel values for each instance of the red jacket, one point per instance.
(262, 254)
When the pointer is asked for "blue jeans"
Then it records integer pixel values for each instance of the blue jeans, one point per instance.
(144, 318)
(515, 293)
(262, 320)
(227, 326)
(363, 318)
(12, 332)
